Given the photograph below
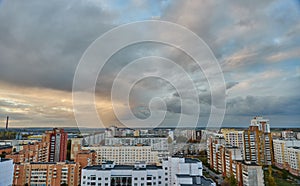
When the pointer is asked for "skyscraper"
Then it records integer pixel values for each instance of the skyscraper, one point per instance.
(258, 142)
(57, 140)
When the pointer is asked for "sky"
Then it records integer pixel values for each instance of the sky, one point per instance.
(256, 43)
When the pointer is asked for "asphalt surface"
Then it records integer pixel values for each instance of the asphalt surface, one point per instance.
(217, 177)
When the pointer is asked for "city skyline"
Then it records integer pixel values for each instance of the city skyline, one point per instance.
(257, 45)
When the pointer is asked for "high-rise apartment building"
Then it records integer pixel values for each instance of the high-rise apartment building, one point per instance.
(234, 137)
(231, 154)
(32, 152)
(215, 152)
(57, 140)
(46, 174)
(281, 155)
(293, 156)
(76, 144)
(258, 146)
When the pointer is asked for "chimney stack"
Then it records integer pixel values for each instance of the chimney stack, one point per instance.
(7, 118)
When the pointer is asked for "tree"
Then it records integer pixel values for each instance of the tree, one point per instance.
(271, 179)
(230, 181)
(170, 140)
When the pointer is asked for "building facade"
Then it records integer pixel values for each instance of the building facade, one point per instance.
(234, 137)
(6, 171)
(293, 158)
(157, 143)
(252, 175)
(127, 155)
(281, 151)
(175, 171)
(32, 152)
(57, 140)
(47, 174)
(215, 152)
(260, 153)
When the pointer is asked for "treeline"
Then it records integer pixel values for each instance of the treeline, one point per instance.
(7, 135)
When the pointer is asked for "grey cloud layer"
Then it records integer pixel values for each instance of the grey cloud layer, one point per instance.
(256, 43)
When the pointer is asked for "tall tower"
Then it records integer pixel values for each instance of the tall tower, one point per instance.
(57, 140)
(7, 118)
(258, 147)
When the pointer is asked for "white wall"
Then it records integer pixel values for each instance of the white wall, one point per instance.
(6, 172)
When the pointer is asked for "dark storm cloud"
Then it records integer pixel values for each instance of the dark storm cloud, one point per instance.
(41, 45)
(263, 105)
(256, 43)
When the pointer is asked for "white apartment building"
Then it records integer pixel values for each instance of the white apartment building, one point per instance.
(281, 155)
(263, 124)
(175, 171)
(127, 155)
(157, 143)
(293, 154)
(180, 171)
(93, 139)
(6, 171)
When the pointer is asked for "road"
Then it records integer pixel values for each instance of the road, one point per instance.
(213, 174)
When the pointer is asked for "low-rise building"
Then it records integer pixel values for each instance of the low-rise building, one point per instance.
(174, 171)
